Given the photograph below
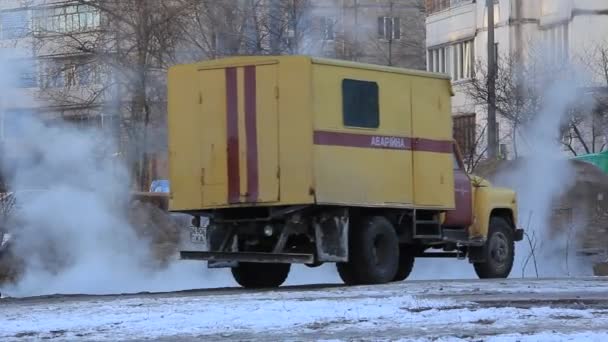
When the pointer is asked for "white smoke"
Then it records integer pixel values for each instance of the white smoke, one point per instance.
(544, 175)
(71, 227)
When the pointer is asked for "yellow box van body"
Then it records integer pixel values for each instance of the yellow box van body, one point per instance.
(272, 131)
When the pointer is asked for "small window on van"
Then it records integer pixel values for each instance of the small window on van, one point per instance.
(360, 104)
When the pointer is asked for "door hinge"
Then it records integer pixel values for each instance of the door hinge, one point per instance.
(200, 98)
(276, 92)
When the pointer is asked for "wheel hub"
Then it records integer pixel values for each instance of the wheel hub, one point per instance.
(499, 249)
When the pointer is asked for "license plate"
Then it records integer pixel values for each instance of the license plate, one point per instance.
(197, 235)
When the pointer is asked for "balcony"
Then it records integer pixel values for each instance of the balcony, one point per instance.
(434, 6)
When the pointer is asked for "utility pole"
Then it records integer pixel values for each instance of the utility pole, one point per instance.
(492, 136)
(390, 34)
(356, 34)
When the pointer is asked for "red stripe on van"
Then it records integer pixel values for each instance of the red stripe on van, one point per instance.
(251, 130)
(382, 142)
(232, 135)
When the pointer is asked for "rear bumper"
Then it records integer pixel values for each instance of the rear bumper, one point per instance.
(290, 258)
(519, 235)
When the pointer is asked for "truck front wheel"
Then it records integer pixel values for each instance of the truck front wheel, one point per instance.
(374, 253)
(259, 275)
(498, 251)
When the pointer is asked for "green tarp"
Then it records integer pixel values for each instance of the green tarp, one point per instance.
(598, 159)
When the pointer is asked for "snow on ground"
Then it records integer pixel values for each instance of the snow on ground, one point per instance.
(514, 310)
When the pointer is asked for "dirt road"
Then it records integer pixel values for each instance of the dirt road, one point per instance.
(451, 310)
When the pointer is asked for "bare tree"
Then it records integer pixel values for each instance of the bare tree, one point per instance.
(127, 46)
(518, 102)
(474, 154)
(292, 28)
(218, 28)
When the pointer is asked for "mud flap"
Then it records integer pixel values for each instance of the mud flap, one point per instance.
(518, 235)
(221, 239)
(331, 236)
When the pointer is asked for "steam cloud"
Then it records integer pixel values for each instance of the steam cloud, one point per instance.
(543, 176)
(71, 226)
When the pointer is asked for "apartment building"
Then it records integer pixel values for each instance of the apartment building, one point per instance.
(456, 43)
(372, 31)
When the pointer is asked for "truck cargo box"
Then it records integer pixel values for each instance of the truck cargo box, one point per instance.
(291, 130)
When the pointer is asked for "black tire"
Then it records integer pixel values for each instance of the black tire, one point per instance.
(406, 263)
(259, 275)
(498, 251)
(346, 273)
(374, 252)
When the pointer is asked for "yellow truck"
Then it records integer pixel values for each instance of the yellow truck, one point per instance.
(294, 159)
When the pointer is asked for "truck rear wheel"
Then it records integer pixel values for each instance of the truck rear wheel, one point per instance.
(498, 251)
(374, 253)
(260, 275)
(406, 263)
(346, 273)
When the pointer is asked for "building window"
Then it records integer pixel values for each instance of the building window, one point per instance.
(360, 104)
(27, 73)
(83, 121)
(71, 18)
(13, 24)
(389, 28)
(69, 73)
(437, 61)
(51, 74)
(556, 42)
(465, 131)
(328, 26)
(456, 59)
(462, 59)
(433, 6)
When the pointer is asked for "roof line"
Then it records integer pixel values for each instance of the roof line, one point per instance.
(375, 67)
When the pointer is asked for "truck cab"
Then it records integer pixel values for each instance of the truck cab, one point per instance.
(294, 159)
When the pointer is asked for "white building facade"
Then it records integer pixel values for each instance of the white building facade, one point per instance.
(29, 32)
(457, 39)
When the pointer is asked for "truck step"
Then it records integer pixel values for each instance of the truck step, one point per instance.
(427, 222)
(427, 229)
(440, 255)
(288, 258)
(461, 237)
